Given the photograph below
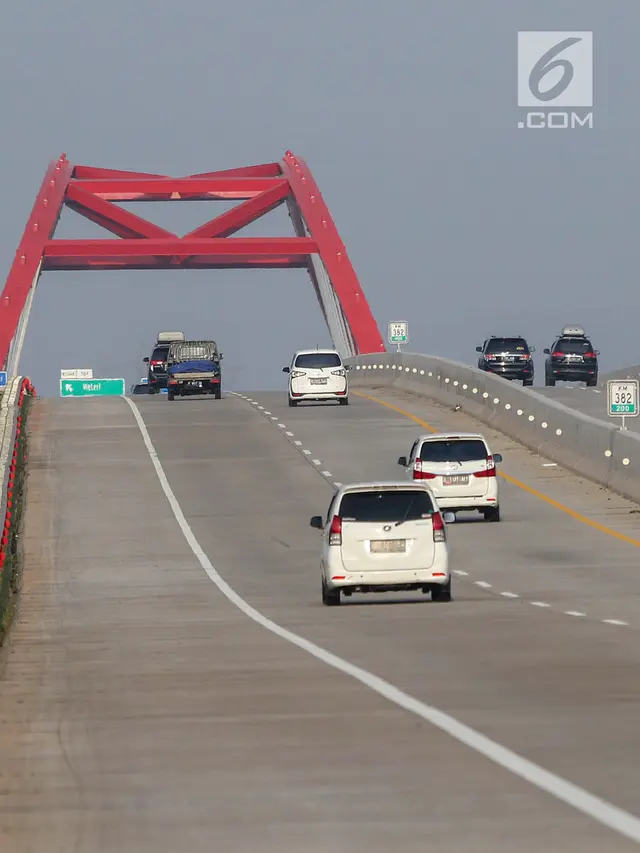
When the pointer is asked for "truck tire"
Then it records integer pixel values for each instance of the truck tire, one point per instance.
(170, 395)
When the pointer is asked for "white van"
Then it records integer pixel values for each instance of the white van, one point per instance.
(384, 537)
(460, 470)
(317, 374)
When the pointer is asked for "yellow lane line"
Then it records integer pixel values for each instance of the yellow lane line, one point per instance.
(514, 482)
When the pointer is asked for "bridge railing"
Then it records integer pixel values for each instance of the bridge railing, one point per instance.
(15, 399)
(596, 450)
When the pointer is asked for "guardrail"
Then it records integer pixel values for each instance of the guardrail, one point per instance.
(594, 449)
(14, 410)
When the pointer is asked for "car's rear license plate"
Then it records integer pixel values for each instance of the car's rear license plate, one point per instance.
(388, 546)
(456, 480)
(318, 381)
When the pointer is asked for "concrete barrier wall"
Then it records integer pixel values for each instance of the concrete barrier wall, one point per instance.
(594, 449)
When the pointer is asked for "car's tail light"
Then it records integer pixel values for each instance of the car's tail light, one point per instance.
(525, 357)
(157, 362)
(589, 355)
(557, 354)
(335, 531)
(296, 373)
(490, 357)
(439, 532)
(340, 372)
(490, 470)
(419, 474)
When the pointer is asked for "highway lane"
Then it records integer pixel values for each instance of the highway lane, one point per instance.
(537, 551)
(559, 667)
(141, 710)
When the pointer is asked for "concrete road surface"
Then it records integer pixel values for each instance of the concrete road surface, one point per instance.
(143, 710)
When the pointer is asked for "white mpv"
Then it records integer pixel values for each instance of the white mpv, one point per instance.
(460, 470)
(384, 537)
(317, 374)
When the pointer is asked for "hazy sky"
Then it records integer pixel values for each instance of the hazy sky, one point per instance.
(406, 113)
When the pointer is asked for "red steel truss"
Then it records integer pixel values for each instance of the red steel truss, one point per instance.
(95, 192)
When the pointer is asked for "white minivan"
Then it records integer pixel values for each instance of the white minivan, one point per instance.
(460, 470)
(384, 537)
(317, 374)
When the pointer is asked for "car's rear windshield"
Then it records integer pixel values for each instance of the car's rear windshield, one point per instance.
(385, 506)
(457, 450)
(318, 359)
(160, 354)
(507, 345)
(578, 345)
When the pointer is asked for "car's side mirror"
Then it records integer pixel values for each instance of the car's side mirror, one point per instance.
(316, 522)
(532, 349)
(146, 359)
(221, 356)
(403, 461)
(449, 517)
(497, 457)
(347, 367)
(285, 370)
(546, 351)
(597, 352)
(478, 349)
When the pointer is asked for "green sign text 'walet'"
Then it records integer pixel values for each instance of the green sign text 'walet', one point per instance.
(92, 387)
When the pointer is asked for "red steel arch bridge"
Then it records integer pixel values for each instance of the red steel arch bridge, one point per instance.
(95, 192)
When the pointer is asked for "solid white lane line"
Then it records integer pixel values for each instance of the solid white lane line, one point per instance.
(593, 807)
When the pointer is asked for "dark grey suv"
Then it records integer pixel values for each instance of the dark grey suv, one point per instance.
(508, 357)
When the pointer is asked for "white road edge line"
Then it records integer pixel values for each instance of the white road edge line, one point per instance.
(593, 807)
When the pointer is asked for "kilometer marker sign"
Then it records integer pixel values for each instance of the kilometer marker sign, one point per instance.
(622, 398)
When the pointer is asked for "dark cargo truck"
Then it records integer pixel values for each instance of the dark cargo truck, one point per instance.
(193, 367)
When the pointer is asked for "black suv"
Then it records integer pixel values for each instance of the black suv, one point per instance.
(572, 358)
(508, 357)
(158, 368)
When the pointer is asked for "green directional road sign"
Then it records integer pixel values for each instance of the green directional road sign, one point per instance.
(92, 387)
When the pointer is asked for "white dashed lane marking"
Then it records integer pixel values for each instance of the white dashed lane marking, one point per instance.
(460, 572)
